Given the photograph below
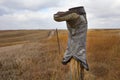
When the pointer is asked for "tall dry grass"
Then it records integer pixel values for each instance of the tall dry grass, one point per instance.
(39, 59)
(103, 49)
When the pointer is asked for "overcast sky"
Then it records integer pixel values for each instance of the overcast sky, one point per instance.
(38, 14)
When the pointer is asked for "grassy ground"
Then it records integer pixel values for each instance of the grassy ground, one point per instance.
(21, 36)
(104, 54)
(33, 55)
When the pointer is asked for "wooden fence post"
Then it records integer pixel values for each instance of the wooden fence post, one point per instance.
(58, 41)
(76, 70)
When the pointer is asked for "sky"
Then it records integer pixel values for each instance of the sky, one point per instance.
(38, 14)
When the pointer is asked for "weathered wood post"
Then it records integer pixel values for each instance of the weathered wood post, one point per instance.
(76, 70)
(76, 50)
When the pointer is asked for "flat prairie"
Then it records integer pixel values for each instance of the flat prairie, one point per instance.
(34, 55)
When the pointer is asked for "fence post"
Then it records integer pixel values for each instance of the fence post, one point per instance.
(58, 41)
(76, 70)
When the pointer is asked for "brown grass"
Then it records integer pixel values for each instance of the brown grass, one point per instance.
(103, 54)
(30, 55)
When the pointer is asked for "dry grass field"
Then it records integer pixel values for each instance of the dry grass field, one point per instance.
(33, 55)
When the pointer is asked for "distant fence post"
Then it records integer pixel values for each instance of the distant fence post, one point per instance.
(58, 41)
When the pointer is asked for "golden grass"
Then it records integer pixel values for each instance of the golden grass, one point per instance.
(103, 49)
(30, 55)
